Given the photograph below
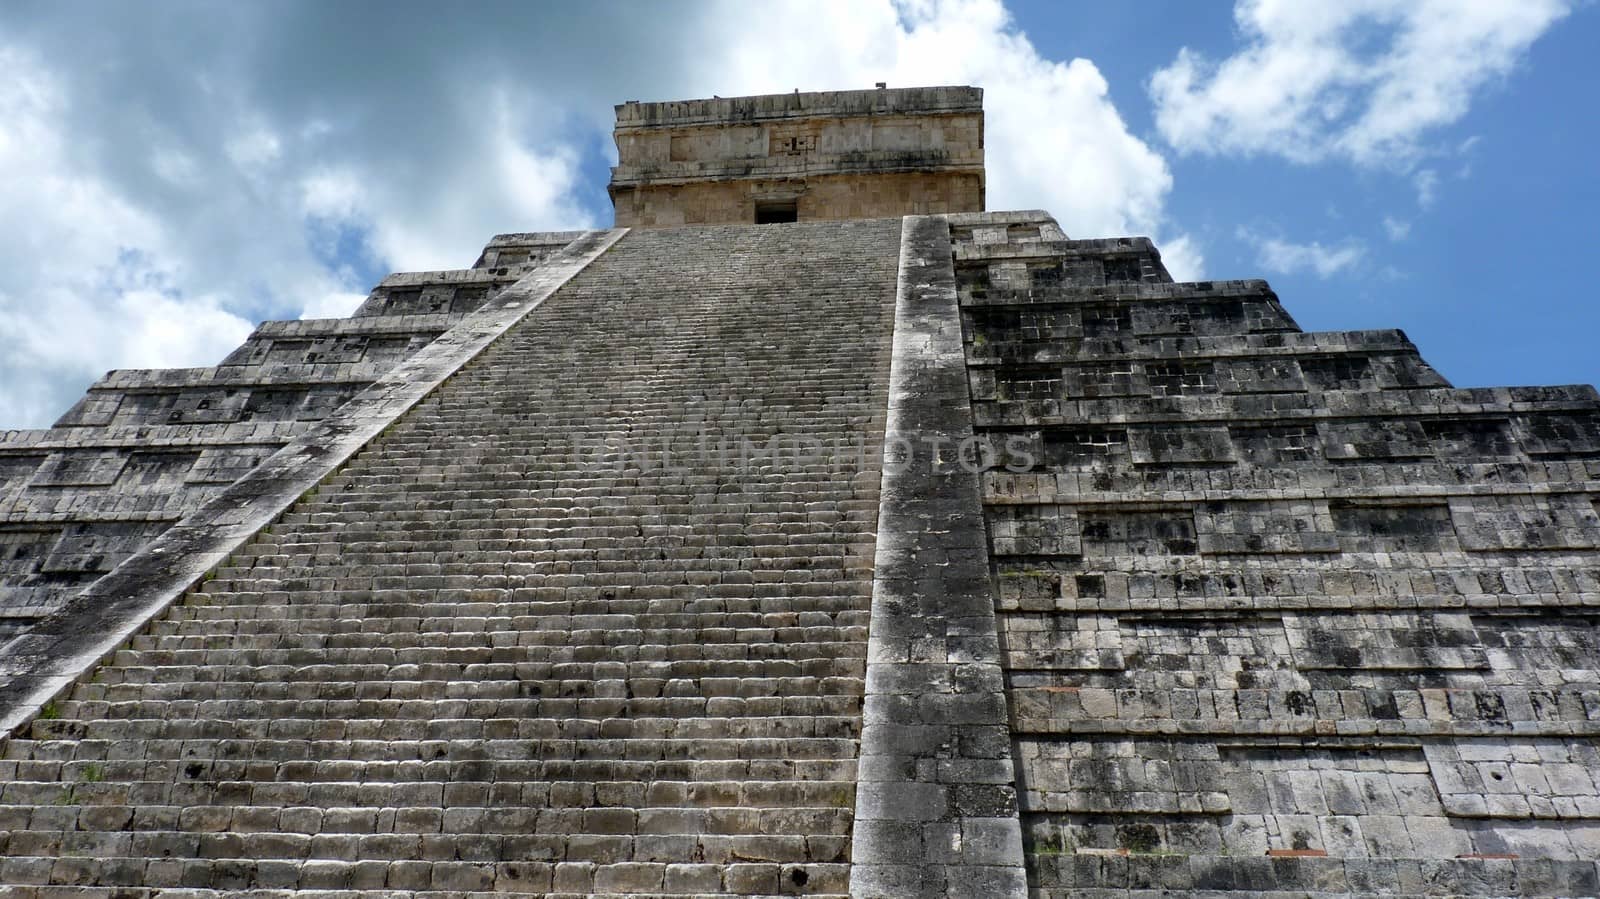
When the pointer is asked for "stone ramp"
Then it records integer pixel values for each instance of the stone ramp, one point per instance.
(1281, 613)
(555, 632)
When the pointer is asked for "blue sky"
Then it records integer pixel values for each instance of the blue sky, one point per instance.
(172, 173)
(1486, 279)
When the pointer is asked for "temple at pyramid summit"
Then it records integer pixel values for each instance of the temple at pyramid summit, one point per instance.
(815, 531)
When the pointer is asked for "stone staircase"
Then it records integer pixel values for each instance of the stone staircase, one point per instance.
(1282, 613)
(567, 628)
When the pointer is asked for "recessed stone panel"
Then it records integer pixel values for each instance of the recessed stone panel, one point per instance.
(80, 468)
(1126, 776)
(1432, 641)
(1180, 446)
(1394, 527)
(1517, 778)
(1080, 447)
(1376, 440)
(1034, 530)
(1566, 434)
(17, 469)
(1284, 444)
(1527, 522)
(1266, 527)
(23, 551)
(1155, 532)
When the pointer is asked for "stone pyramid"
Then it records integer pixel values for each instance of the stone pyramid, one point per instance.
(887, 548)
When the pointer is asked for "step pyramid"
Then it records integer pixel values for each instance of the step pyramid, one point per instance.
(942, 555)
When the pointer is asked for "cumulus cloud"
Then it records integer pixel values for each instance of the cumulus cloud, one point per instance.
(1396, 229)
(85, 276)
(180, 171)
(1183, 258)
(1365, 81)
(1426, 182)
(1283, 257)
(1054, 140)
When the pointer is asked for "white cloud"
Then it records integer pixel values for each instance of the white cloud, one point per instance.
(159, 238)
(433, 230)
(84, 283)
(1426, 181)
(1183, 258)
(1282, 257)
(1396, 229)
(174, 166)
(1365, 80)
(1054, 140)
(330, 194)
(332, 305)
(254, 148)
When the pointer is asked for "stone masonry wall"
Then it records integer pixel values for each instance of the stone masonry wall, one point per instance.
(1281, 613)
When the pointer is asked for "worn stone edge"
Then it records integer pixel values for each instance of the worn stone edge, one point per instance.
(983, 855)
(39, 665)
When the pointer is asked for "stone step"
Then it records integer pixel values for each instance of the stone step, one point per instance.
(439, 663)
(447, 729)
(733, 592)
(71, 826)
(827, 575)
(651, 661)
(575, 872)
(750, 555)
(728, 603)
(323, 680)
(271, 635)
(467, 777)
(588, 629)
(600, 679)
(235, 877)
(351, 619)
(695, 499)
(587, 740)
(731, 596)
(578, 700)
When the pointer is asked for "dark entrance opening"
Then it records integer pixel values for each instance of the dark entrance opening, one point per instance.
(777, 212)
